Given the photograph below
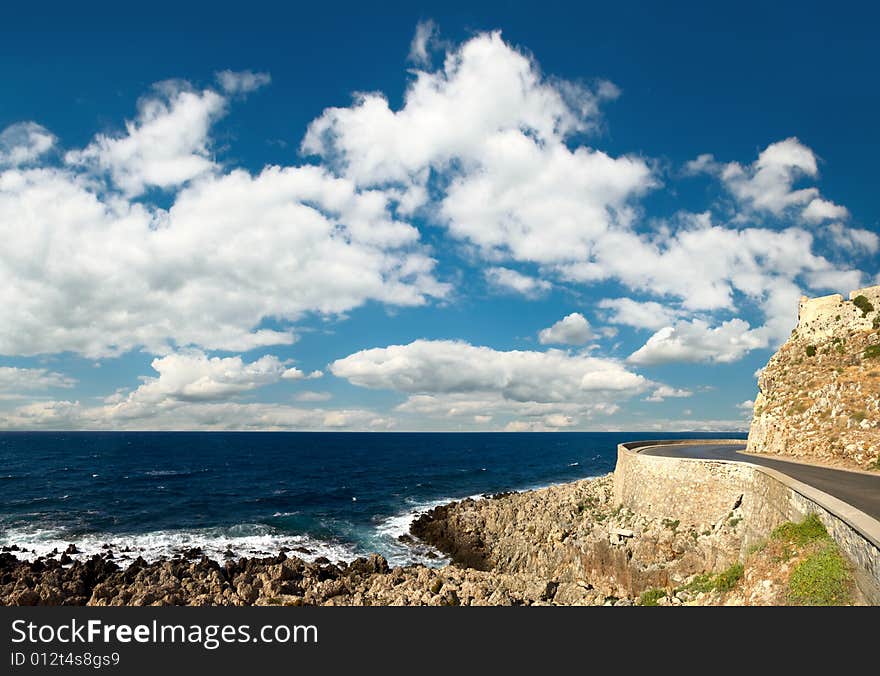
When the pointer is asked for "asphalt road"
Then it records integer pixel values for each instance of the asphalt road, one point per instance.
(862, 491)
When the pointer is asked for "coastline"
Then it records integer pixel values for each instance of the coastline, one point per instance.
(563, 545)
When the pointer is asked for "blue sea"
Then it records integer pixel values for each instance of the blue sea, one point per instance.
(338, 495)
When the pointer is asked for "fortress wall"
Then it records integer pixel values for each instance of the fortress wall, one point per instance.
(826, 315)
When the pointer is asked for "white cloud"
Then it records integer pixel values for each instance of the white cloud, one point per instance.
(539, 201)
(573, 329)
(24, 143)
(511, 280)
(702, 164)
(58, 415)
(696, 341)
(422, 43)
(861, 241)
(310, 395)
(451, 367)
(193, 376)
(767, 184)
(242, 81)
(747, 405)
(16, 380)
(819, 210)
(452, 409)
(485, 106)
(835, 280)
(664, 392)
(638, 314)
(166, 146)
(295, 374)
(108, 276)
(191, 391)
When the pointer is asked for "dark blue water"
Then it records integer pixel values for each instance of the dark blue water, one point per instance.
(333, 494)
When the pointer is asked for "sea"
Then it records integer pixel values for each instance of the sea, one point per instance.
(322, 494)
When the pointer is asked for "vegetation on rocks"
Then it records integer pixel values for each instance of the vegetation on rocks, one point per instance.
(819, 395)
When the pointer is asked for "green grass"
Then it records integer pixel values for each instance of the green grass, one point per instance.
(727, 579)
(802, 533)
(650, 597)
(722, 582)
(872, 352)
(822, 579)
(671, 524)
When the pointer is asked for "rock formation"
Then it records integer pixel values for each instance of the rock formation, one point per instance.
(566, 544)
(819, 394)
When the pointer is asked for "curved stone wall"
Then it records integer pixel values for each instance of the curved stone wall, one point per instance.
(707, 490)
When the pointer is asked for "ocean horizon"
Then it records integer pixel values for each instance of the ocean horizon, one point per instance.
(337, 495)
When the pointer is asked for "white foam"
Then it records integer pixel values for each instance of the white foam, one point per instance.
(389, 530)
(245, 540)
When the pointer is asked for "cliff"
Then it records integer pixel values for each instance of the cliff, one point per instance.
(819, 395)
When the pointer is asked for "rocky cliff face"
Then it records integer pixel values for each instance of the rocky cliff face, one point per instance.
(820, 393)
(576, 536)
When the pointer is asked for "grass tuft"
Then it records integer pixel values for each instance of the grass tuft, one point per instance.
(821, 579)
(650, 597)
(802, 533)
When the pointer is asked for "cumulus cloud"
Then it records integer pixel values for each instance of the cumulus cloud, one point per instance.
(191, 391)
(697, 341)
(512, 280)
(108, 275)
(451, 409)
(819, 210)
(854, 239)
(165, 146)
(242, 81)
(193, 376)
(24, 143)
(491, 129)
(454, 367)
(748, 405)
(573, 329)
(666, 392)
(768, 183)
(638, 314)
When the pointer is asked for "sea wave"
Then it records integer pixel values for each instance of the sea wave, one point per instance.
(243, 540)
(389, 530)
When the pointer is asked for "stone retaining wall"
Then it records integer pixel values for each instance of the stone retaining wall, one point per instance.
(705, 491)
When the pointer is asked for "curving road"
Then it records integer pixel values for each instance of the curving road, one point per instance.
(862, 491)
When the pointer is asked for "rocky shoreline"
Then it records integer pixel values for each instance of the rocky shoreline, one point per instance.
(562, 545)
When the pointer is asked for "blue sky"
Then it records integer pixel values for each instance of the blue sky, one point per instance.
(429, 217)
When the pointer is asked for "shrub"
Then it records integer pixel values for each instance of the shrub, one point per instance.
(722, 582)
(811, 350)
(727, 579)
(651, 596)
(802, 533)
(872, 352)
(863, 304)
(821, 579)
